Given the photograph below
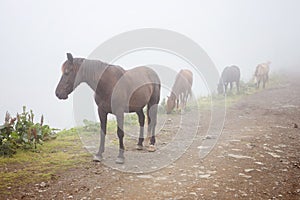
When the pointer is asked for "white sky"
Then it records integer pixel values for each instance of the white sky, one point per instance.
(35, 36)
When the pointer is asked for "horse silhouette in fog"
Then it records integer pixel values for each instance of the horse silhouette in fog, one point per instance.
(262, 73)
(181, 90)
(229, 75)
(116, 91)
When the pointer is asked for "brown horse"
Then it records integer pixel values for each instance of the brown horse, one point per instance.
(116, 91)
(181, 90)
(262, 73)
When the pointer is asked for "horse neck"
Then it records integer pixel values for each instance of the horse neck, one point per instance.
(173, 95)
(176, 89)
(221, 81)
(91, 71)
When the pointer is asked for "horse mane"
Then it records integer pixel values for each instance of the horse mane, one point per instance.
(90, 71)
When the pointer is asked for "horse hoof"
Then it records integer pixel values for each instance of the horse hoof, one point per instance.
(139, 147)
(151, 148)
(120, 160)
(97, 158)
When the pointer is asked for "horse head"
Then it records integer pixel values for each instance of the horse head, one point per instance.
(170, 103)
(67, 83)
(220, 88)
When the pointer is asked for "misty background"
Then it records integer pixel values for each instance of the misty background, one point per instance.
(35, 37)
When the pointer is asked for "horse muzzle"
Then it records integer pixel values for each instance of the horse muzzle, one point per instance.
(61, 95)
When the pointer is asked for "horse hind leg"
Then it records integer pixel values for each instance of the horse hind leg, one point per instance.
(177, 103)
(141, 117)
(120, 132)
(152, 120)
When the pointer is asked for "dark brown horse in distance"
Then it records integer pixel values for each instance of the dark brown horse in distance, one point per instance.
(229, 75)
(181, 90)
(262, 73)
(116, 91)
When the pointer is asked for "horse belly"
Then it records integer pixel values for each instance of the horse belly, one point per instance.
(139, 99)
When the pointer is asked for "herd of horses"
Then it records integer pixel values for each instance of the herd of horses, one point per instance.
(232, 74)
(119, 91)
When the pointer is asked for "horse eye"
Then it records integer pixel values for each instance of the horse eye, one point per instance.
(67, 72)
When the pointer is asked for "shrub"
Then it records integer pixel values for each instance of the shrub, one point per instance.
(22, 132)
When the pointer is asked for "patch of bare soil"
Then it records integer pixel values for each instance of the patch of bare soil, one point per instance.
(256, 157)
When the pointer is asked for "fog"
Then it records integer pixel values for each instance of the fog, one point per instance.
(35, 37)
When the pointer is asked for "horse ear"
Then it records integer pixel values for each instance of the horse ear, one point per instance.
(70, 57)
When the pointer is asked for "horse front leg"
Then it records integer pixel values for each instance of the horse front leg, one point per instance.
(103, 120)
(258, 83)
(120, 121)
(226, 84)
(141, 117)
(181, 101)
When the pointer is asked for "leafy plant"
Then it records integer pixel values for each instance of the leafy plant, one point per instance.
(22, 132)
(7, 135)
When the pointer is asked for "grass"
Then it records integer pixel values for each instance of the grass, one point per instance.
(246, 89)
(41, 165)
(49, 159)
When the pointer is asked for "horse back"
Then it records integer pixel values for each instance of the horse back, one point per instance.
(262, 69)
(136, 88)
(231, 74)
(188, 76)
(183, 82)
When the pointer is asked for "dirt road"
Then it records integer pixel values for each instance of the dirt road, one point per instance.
(256, 157)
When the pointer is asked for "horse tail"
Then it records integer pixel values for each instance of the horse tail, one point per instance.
(155, 97)
(238, 72)
(191, 84)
